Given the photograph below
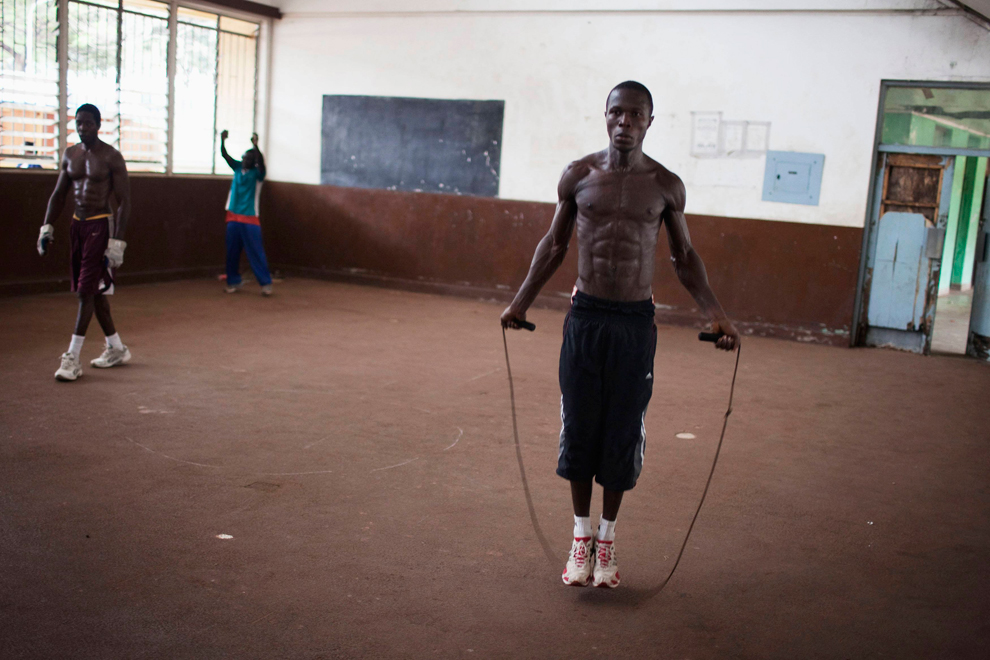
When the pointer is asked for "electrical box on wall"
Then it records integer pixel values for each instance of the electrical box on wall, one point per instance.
(792, 177)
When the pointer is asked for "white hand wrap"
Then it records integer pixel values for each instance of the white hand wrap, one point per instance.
(45, 238)
(115, 252)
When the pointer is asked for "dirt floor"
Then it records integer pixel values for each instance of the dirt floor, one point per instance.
(356, 444)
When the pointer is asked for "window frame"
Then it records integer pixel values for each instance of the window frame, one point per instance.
(263, 43)
(262, 56)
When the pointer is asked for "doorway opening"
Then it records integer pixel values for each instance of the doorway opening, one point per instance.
(924, 283)
(956, 279)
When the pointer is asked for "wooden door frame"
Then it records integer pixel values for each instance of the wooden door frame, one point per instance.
(857, 335)
(908, 160)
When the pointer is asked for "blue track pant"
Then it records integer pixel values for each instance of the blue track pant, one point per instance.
(242, 236)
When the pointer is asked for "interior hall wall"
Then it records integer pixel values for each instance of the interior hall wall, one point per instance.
(782, 279)
(814, 75)
(176, 230)
(777, 278)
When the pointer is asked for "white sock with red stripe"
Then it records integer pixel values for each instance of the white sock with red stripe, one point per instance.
(606, 530)
(582, 527)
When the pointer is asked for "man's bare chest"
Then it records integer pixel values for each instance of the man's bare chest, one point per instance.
(88, 167)
(609, 197)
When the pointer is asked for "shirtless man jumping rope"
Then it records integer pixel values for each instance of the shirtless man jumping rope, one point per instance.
(617, 199)
(93, 170)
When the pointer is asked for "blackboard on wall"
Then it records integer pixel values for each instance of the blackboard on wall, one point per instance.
(431, 145)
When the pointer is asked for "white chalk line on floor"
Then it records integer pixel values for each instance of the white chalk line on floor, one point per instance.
(291, 474)
(460, 434)
(487, 373)
(411, 460)
(221, 467)
(173, 458)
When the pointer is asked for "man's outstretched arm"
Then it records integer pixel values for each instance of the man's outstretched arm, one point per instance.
(691, 272)
(234, 164)
(550, 251)
(261, 159)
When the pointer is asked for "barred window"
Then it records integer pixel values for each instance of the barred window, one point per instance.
(117, 58)
(29, 120)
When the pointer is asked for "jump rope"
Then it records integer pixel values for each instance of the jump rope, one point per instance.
(650, 593)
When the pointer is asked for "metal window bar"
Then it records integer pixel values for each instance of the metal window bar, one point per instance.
(236, 87)
(144, 91)
(28, 83)
(92, 75)
(195, 98)
(216, 84)
(117, 58)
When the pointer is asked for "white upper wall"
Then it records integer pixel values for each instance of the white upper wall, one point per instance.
(815, 76)
(397, 6)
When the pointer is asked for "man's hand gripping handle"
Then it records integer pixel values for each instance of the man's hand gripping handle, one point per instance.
(523, 325)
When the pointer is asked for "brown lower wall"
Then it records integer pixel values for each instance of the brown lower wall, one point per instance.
(176, 230)
(777, 278)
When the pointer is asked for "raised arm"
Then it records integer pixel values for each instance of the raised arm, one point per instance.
(550, 251)
(234, 164)
(261, 159)
(122, 191)
(690, 269)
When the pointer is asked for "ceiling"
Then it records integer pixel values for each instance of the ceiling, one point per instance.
(979, 6)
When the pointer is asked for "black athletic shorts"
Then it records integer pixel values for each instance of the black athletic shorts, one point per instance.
(606, 381)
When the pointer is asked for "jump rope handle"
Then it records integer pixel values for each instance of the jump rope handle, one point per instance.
(526, 325)
(710, 336)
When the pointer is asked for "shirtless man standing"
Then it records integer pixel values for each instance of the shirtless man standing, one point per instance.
(617, 199)
(93, 170)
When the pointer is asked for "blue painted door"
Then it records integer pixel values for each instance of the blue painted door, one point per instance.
(904, 250)
(897, 293)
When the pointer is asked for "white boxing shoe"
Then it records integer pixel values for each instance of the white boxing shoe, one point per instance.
(580, 562)
(112, 357)
(606, 566)
(70, 368)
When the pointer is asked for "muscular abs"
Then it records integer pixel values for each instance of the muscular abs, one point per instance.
(618, 217)
(91, 181)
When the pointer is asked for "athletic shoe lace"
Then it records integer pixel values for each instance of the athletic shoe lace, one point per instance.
(579, 553)
(606, 554)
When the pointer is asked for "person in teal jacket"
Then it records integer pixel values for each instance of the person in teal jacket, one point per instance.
(243, 227)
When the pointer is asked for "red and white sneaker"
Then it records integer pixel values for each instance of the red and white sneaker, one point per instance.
(577, 573)
(606, 566)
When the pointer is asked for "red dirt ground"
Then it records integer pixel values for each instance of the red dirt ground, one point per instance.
(357, 445)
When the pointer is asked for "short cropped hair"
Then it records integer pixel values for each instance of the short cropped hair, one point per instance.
(91, 109)
(635, 86)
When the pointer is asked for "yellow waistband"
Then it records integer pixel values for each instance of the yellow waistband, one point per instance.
(92, 217)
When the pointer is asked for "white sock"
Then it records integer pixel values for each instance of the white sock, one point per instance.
(75, 346)
(606, 530)
(114, 340)
(582, 527)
